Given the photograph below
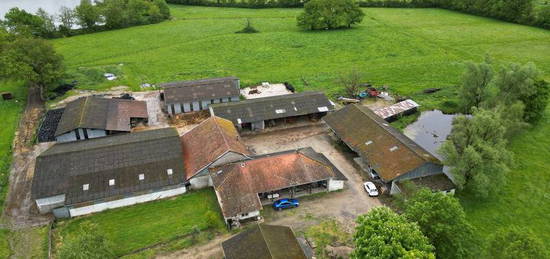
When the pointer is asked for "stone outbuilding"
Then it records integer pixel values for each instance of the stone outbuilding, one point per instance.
(213, 142)
(257, 114)
(383, 150)
(197, 95)
(92, 117)
(78, 178)
(243, 187)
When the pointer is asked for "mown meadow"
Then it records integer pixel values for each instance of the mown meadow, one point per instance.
(407, 49)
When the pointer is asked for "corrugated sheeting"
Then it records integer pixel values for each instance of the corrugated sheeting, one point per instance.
(396, 109)
(200, 90)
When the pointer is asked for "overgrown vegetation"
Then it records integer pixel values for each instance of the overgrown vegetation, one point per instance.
(516, 243)
(328, 232)
(87, 242)
(130, 228)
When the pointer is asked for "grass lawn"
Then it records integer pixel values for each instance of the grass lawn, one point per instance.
(526, 197)
(142, 225)
(407, 49)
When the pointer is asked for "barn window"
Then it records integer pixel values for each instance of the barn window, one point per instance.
(368, 142)
(85, 187)
(111, 182)
(169, 171)
(279, 111)
(141, 177)
(322, 109)
(393, 148)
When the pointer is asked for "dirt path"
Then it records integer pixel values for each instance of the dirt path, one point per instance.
(17, 211)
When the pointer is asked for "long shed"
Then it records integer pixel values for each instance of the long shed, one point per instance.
(197, 95)
(78, 178)
(254, 114)
(383, 149)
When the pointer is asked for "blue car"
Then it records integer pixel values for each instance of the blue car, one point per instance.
(285, 204)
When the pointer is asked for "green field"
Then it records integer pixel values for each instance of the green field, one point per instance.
(526, 197)
(139, 226)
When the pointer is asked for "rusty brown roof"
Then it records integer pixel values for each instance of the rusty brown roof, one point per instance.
(207, 142)
(389, 151)
(201, 90)
(238, 184)
(100, 113)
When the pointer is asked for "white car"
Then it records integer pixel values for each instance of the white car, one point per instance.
(371, 189)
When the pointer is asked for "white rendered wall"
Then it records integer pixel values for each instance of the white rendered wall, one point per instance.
(334, 185)
(126, 201)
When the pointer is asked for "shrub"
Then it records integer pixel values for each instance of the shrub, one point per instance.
(330, 14)
(248, 28)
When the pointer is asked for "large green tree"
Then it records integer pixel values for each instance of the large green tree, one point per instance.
(381, 233)
(476, 152)
(19, 21)
(516, 243)
(87, 15)
(442, 219)
(31, 59)
(87, 243)
(330, 14)
(475, 85)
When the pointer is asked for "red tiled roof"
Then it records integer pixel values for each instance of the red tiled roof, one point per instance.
(207, 142)
(238, 184)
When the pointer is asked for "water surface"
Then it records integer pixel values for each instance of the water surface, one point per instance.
(430, 130)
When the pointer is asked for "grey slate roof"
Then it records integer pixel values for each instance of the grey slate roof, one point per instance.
(199, 90)
(65, 167)
(274, 107)
(100, 113)
(264, 242)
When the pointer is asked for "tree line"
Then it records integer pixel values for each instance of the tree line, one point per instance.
(86, 17)
(517, 11)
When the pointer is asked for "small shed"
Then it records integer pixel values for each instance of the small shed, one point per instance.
(391, 112)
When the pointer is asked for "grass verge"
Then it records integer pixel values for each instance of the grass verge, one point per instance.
(143, 225)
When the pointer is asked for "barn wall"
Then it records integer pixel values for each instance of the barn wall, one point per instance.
(126, 201)
(235, 99)
(96, 133)
(46, 205)
(258, 125)
(69, 136)
(228, 157)
(334, 185)
(425, 170)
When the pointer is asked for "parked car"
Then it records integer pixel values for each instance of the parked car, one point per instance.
(371, 189)
(374, 175)
(285, 204)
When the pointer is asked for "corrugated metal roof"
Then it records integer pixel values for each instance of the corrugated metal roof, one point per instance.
(264, 241)
(100, 113)
(396, 109)
(200, 90)
(66, 167)
(274, 107)
(239, 183)
(391, 153)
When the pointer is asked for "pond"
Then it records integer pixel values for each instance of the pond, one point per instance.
(31, 6)
(430, 130)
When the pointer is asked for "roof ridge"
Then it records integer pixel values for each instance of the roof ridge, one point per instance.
(264, 239)
(264, 99)
(220, 131)
(82, 111)
(388, 131)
